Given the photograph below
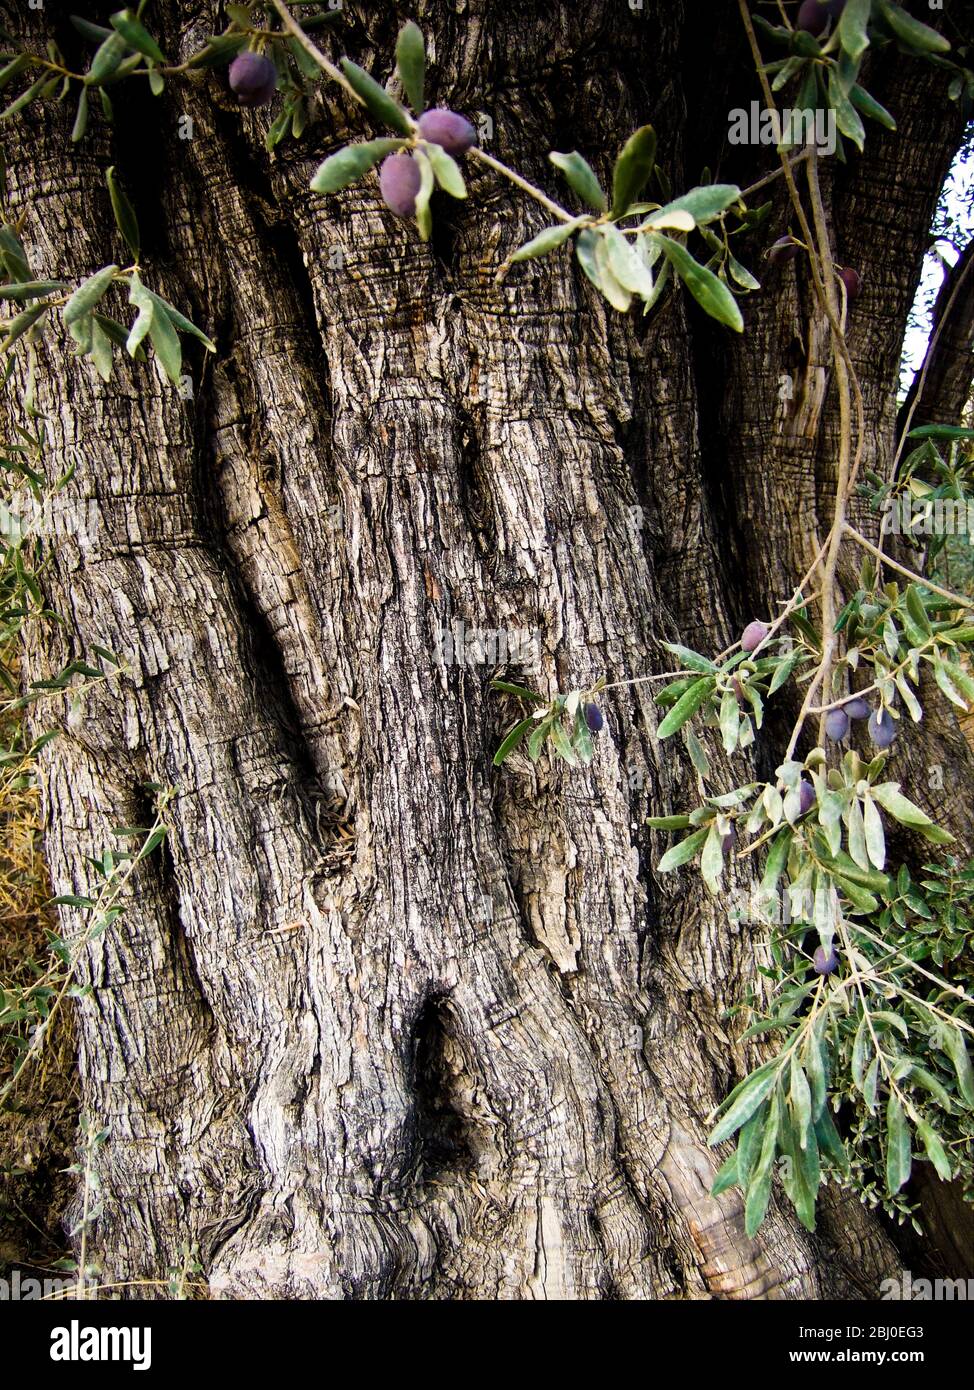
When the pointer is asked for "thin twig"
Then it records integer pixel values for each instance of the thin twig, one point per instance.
(910, 574)
(829, 635)
(775, 174)
(555, 208)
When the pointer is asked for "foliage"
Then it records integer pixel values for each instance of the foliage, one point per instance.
(931, 497)
(869, 972)
(125, 49)
(878, 1049)
(95, 333)
(864, 1040)
(622, 244)
(560, 724)
(826, 70)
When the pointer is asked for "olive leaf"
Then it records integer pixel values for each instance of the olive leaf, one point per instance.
(16, 327)
(912, 32)
(704, 204)
(348, 164)
(101, 351)
(686, 706)
(899, 1156)
(447, 171)
(411, 62)
(106, 60)
(140, 297)
(684, 851)
(88, 294)
(31, 289)
(136, 35)
(512, 740)
(81, 116)
(711, 294)
(853, 27)
(626, 265)
(548, 240)
(424, 220)
(376, 98)
(632, 169)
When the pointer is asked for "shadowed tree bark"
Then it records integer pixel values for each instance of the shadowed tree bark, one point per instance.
(382, 1021)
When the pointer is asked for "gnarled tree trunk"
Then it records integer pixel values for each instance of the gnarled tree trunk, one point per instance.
(382, 1021)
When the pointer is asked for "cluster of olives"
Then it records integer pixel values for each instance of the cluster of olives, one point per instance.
(881, 726)
(253, 80)
(399, 176)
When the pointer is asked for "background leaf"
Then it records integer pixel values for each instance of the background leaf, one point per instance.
(125, 218)
(581, 178)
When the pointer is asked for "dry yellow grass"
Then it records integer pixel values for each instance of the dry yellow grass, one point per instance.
(38, 1121)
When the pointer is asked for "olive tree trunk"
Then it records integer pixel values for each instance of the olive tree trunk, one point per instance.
(382, 1021)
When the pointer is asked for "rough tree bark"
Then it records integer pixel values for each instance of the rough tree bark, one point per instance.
(381, 1022)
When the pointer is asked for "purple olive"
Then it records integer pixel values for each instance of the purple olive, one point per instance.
(785, 249)
(824, 961)
(852, 281)
(882, 728)
(253, 79)
(806, 796)
(836, 725)
(812, 17)
(447, 129)
(729, 840)
(858, 708)
(399, 180)
(593, 717)
(753, 635)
